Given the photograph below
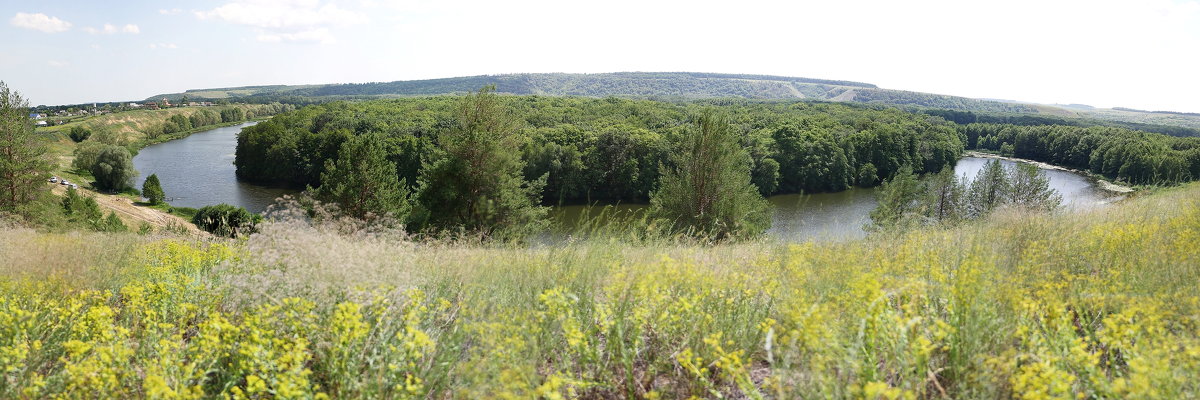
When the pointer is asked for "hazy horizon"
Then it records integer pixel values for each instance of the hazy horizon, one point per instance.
(1100, 53)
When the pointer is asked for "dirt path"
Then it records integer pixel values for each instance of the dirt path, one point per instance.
(131, 214)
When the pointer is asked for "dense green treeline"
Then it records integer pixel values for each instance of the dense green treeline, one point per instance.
(610, 149)
(1133, 156)
(971, 117)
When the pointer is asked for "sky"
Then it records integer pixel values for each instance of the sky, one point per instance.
(1136, 53)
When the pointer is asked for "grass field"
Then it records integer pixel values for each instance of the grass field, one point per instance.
(1097, 305)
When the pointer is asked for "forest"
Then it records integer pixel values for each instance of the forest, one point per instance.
(610, 150)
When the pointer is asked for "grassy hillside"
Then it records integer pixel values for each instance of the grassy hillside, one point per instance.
(132, 126)
(1095, 305)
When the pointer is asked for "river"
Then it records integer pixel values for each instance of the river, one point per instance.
(842, 215)
(198, 170)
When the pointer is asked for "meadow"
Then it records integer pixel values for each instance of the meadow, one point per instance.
(1098, 304)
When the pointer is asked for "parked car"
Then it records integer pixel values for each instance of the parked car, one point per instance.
(74, 186)
(54, 179)
(64, 182)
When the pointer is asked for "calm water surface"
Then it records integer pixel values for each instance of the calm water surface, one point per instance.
(198, 171)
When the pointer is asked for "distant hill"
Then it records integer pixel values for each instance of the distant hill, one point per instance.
(691, 86)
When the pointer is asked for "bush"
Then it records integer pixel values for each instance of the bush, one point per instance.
(186, 212)
(84, 210)
(226, 220)
(79, 133)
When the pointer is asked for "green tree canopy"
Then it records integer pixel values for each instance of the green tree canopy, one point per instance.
(1030, 188)
(944, 196)
(898, 199)
(152, 190)
(474, 181)
(23, 164)
(363, 182)
(113, 169)
(707, 188)
(79, 133)
(988, 191)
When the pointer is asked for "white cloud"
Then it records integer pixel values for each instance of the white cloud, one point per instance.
(58, 64)
(173, 11)
(282, 14)
(109, 29)
(163, 46)
(319, 35)
(286, 20)
(39, 22)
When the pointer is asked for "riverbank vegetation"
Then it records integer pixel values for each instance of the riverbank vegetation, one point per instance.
(1132, 156)
(139, 128)
(943, 199)
(1101, 304)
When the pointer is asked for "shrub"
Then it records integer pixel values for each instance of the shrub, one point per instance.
(79, 133)
(152, 190)
(226, 220)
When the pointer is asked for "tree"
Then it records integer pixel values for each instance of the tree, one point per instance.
(475, 180)
(707, 188)
(988, 191)
(79, 133)
(943, 201)
(867, 175)
(152, 190)
(232, 114)
(1029, 188)
(226, 220)
(111, 223)
(897, 200)
(766, 176)
(86, 154)
(23, 163)
(113, 169)
(363, 182)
